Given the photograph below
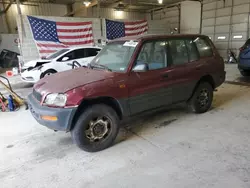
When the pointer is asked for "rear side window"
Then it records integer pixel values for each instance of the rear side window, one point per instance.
(79, 53)
(91, 52)
(204, 48)
(178, 51)
(192, 50)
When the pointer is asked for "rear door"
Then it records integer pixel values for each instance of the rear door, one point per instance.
(183, 57)
(150, 89)
(81, 56)
(189, 64)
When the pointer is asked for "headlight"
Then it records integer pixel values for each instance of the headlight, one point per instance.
(56, 99)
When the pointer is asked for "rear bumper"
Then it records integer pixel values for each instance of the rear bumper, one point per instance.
(64, 115)
(219, 79)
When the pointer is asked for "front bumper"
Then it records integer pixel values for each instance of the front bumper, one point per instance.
(32, 76)
(64, 115)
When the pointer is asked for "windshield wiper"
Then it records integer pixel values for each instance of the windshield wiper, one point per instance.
(96, 65)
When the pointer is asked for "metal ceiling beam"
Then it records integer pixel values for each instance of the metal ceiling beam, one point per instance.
(6, 8)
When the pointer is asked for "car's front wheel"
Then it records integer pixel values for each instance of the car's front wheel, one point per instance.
(96, 128)
(48, 72)
(245, 73)
(202, 98)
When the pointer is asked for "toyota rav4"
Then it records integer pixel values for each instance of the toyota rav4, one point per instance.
(128, 77)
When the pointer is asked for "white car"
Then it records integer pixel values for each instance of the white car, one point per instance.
(33, 71)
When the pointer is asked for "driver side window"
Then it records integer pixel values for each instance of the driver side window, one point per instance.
(70, 55)
(154, 55)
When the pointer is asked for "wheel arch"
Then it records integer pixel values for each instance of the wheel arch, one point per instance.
(109, 101)
(50, 69)
(205, 78)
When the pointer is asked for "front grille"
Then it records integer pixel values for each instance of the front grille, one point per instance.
(37, 95)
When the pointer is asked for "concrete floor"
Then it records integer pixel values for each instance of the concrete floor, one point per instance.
(174, 148)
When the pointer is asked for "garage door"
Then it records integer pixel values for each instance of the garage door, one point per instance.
(226, 23)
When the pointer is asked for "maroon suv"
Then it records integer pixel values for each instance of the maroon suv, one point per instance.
(128, 77)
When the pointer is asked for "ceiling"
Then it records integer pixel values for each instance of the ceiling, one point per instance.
(140, 4)
(134, 5)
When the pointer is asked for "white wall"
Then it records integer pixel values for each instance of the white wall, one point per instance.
(41, 9)
(190, 17)
(9, 42)
(109, 13)
(158, 27)
(169, 18)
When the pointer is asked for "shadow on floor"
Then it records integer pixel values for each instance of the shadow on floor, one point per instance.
(158, 119)
(244, 79)
(226, 96)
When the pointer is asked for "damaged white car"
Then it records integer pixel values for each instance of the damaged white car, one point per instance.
(34, 70)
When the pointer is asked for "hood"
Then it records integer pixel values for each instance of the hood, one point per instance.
(36, 62)
(64, 81)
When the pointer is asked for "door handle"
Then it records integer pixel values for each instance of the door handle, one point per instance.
(165, 76)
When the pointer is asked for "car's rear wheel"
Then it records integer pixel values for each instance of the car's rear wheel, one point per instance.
(48, 72)
(96, 128)
(245, 73)
(202, 98)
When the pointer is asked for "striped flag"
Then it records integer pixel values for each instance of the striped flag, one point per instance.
(116, 29)
(51, 36)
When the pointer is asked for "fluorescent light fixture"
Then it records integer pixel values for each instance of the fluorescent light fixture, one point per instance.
(238, 37)
(221, 37)
(160, 1)
(86, 3)
(119, 14)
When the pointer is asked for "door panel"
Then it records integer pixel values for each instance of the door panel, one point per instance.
(149, 89)
(184, 62)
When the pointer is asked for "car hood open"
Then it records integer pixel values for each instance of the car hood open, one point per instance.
(64, 81)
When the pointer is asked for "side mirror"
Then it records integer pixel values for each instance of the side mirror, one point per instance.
(65, 59)
(140, 68)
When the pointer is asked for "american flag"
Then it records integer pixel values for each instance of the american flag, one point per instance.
(116, 29)
(51, 36)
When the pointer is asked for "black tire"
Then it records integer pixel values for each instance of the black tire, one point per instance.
(79, 134)
(197, 105)
(245, 73)
(48, 72)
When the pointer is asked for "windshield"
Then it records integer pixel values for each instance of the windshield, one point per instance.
(115, 56)
(56, 54)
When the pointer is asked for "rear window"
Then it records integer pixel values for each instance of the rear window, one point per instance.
(203, 46)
